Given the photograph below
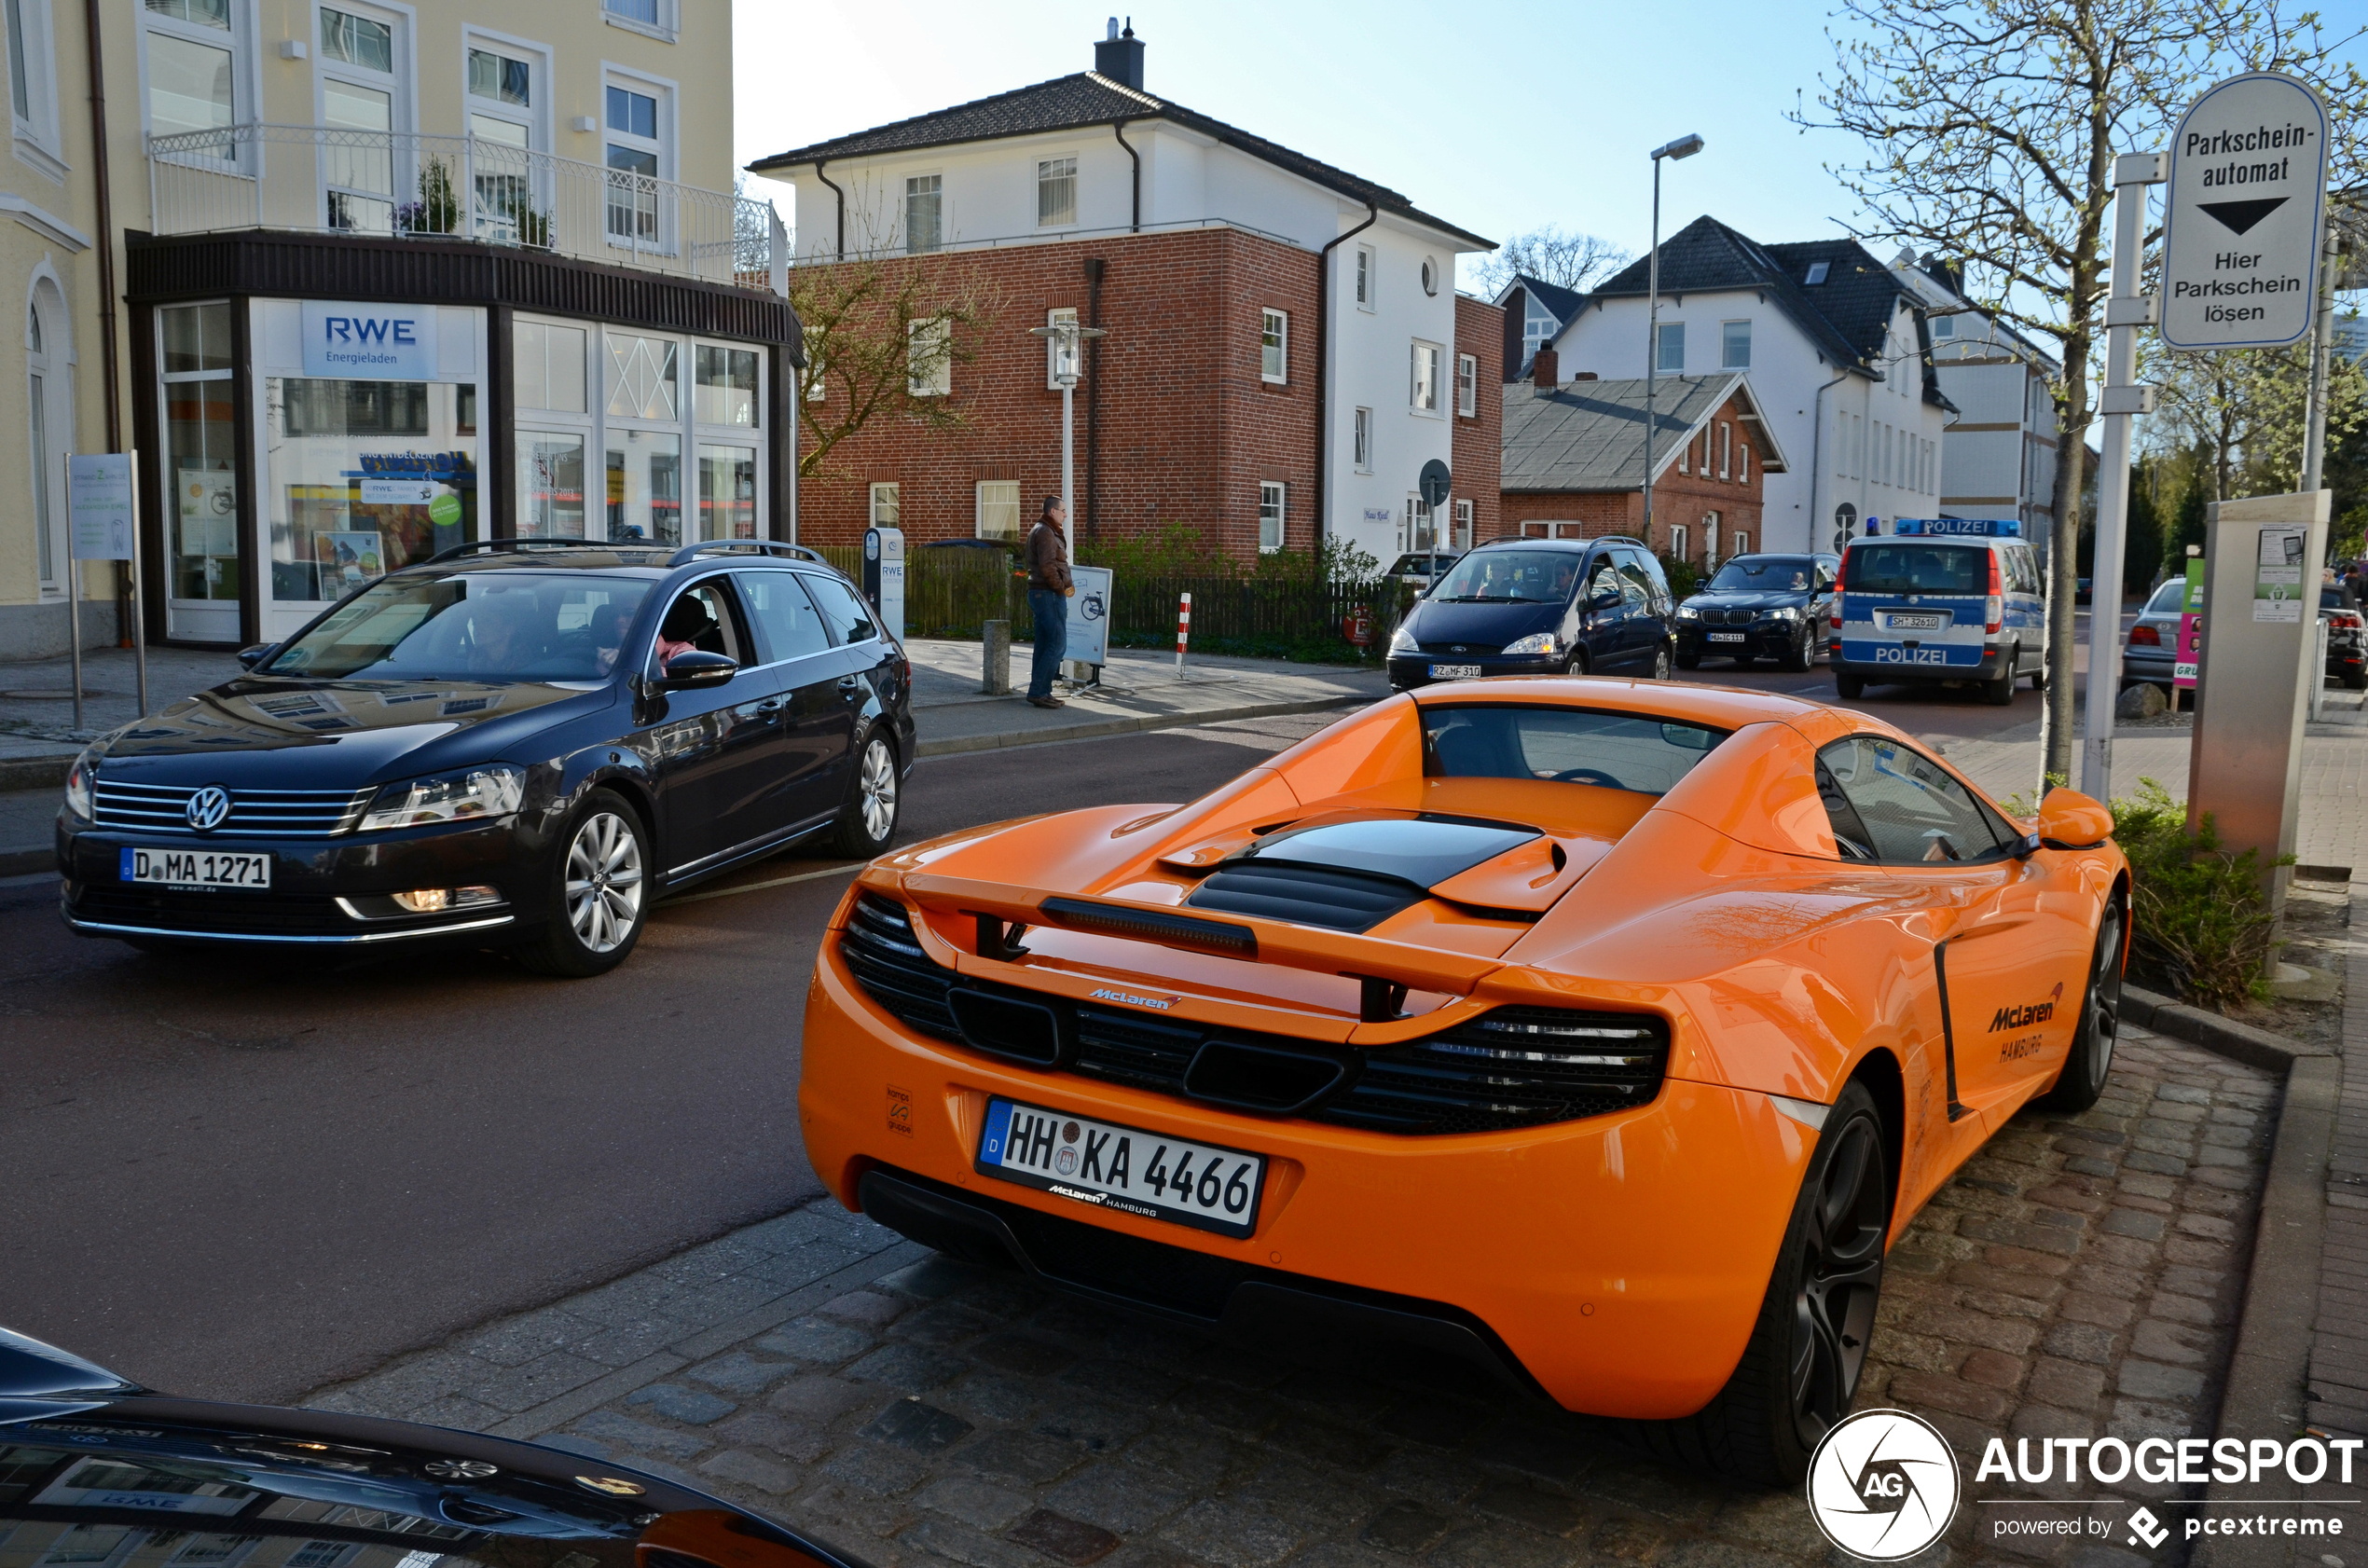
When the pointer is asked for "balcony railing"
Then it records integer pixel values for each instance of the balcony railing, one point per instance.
(324, 180)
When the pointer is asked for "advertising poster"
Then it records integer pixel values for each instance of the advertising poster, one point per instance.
(348, 560)
(2277, 574)
(209, 512)
(1089, 615)
(2191, 626)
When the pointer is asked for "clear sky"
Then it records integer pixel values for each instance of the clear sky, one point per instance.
(1497, 117)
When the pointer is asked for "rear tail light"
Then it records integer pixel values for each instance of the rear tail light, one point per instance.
(2144, 637)
(1994, 608)
(2348, 620)
(1841, 579)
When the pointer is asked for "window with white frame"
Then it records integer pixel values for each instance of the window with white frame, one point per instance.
(998, 510)
(1743, 462)
(1055, 192)
(1685, 456)
(1467, 385)
(33, 84)
(1414, 531)
(1709, 538)
(1734, 345)
(887, 505)
(503, 94)
(1726, 448)
(929, 357)
(1059, 354)
(635, 114)
(50, 401)
(1270, 515)
(1430, 275)
(660, 16)
(1743, 542)
(1463, 524)
(1672, 347)
(1364, 442)
(1677, 541)
(1273, 346)
(363, 94)
(1365, 277)
(1422, 388)
(924, 214)
(195, 51)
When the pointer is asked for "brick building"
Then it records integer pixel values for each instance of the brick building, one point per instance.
(1284, 350)
(1479, 425)
(1574, 460)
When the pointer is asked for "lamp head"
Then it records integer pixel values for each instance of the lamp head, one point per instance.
(1684, 146)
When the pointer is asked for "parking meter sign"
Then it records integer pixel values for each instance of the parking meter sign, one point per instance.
(2245, 196)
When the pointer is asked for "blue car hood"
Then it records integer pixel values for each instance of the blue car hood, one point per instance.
(1434, 621)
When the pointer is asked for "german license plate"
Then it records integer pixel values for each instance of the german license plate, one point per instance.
(1727, 636)
(1915, 623)
(197, 868)
(1122, 1168)
(1455, 672)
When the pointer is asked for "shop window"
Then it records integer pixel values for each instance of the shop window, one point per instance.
(201, 544)
(364, 477)
(726, 393)
(643, 376)
(728, 492)
(550, 483)
(549, 371)
(646, 486)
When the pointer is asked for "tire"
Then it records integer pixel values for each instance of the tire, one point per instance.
(2039, 677)
(1689, 661)
(600, 892)
(2001, 691)
(1847, 686)
(1800, 1367)
(875, 796)
(1803, 653)
(2355, 680)
(1664, 662)
(1576, 663)
(2091, 1058)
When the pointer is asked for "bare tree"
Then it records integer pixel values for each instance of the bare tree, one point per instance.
(1990, 128)
(1552, 254)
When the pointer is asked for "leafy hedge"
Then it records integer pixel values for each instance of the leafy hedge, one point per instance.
(2199, 919)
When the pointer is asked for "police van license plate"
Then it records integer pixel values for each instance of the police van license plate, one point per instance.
(1454, 672)
(1914, 623)
(193, 867)
(1727, 636)
(1122, 1168)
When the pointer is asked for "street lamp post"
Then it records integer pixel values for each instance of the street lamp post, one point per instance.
(1066, 337)
(1684, 146)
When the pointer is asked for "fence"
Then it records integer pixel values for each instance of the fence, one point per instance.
(408, 185)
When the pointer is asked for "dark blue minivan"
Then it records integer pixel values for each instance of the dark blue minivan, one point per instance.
(1540, 607)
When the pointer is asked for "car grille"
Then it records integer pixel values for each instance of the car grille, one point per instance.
(163, 809)
(1463, 650)
(219, 913)
(1513, 1067)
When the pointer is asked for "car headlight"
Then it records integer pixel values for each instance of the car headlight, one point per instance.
(78, 781)
(1687, 613)
(1784, 613)
(1402, 640)
(1536, 642)
(473, 793)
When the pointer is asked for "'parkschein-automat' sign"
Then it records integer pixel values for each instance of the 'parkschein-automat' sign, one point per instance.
(2240, 244)
(369, 342)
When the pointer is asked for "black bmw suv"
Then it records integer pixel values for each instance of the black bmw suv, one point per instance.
(518, 744)
(1760, 607)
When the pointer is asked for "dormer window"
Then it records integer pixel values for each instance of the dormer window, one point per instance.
(1816, 273)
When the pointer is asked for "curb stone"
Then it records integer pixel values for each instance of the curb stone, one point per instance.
(2222, 1037)
(36, 773)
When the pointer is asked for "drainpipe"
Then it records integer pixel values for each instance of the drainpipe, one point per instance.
(1816, 462)
(1095, 268)
(834, 191)
(1118, 129)
(110, 372)
(1323, 375)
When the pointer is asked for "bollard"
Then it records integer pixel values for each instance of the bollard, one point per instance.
(1183, 629)
(995, 679)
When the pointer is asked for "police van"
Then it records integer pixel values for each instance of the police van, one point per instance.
(1955, 599)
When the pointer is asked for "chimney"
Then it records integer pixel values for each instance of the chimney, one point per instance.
(1546, 371)
(1584, 376)
(1119, 56)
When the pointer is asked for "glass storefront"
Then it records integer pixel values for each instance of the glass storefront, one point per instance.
(728, 492)
(364, 477)
(645, 486)
(200, 474)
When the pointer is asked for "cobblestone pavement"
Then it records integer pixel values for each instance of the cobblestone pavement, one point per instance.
(2078, 1278)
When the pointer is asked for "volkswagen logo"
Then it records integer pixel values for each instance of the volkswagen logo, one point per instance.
(208, 809)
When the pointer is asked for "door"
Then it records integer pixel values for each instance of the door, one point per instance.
(816, 717)
(2011, 959)
(720, 749)
(1642, 596)
(857, 652)
(1602, 614)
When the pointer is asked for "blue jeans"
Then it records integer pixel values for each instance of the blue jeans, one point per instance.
(1052, 612)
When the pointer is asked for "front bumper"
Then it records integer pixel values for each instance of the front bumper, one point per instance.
(1409, 670)
(1619, 1261)
(1761, 640)
(325, 891)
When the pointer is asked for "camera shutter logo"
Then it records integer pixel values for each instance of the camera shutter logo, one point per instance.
(1883, 1485)
(208, 809)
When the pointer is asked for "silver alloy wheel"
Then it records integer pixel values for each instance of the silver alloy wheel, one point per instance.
(604, 882)
(875, 792)
(1662, 664)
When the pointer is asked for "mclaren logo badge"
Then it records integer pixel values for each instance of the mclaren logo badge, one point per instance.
(1129, 998)
(2024, 1017)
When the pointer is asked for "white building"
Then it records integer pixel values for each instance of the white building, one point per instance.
(1997, 458)
(1835, 349)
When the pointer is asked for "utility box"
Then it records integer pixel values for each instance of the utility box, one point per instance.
(2262, 561)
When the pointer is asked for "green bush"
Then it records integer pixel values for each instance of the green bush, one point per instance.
(1684, 577)
(2200, 922)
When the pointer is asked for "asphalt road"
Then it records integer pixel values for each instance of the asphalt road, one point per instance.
(241, 1176)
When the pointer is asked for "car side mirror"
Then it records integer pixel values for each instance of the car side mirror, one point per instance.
(2069, 819)
(250, 657)
(1606, 599)
(696, 668)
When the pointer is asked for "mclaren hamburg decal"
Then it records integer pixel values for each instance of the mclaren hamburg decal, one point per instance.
(2024, 1017)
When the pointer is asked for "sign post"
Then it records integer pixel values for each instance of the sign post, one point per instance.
(1435, 482)
(105, 508)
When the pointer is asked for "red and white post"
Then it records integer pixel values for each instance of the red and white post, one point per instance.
(1183, 629)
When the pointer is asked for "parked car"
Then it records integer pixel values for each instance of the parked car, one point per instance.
(1759, 607)
(2347, 635)
(486, 750)
(1422, 567)
(2151, 648)
(1591, 1030)
(100, 1469)
(1958, 609)
(2081, 590)
(1540, 607)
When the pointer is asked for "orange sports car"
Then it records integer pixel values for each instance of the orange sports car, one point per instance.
(1604, 1032)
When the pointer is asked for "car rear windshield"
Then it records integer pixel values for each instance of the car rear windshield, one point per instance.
(1568, 745)
(2168, 597)
(1918, 569)
(478, 625)
(1766, 573)
(1510, 577)
(2333, 597)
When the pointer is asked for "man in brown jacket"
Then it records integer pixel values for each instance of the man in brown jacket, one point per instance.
(1049, 589)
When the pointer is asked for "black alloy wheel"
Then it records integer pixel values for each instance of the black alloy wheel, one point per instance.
(2090, 1060)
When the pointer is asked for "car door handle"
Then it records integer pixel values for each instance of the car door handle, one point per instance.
(850, 684)
(770, 704)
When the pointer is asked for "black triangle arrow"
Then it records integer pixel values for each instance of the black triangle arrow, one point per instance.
(2238, 217)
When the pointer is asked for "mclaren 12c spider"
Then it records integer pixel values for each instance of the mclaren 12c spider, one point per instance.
(1604, 1032)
